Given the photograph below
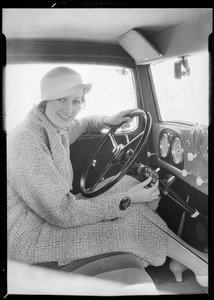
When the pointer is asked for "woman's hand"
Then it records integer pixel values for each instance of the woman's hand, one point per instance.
(142, 193)
(118, 118)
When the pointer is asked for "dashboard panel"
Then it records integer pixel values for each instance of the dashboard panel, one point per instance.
(183, 150)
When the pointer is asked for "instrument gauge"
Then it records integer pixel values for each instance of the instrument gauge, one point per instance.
(164, 145)
(177, 151)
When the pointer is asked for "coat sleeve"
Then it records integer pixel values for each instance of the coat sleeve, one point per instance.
(32, 174)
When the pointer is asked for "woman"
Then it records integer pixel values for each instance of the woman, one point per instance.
(46, 222)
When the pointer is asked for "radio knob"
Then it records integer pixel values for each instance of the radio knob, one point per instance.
(184, 173)
(191, 156)
(200, 181)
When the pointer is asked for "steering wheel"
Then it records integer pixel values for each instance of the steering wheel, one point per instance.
(122, 154)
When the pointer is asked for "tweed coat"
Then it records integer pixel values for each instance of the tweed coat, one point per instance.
(46, 222)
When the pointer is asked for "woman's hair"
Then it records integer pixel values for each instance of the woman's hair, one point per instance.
(42, 106)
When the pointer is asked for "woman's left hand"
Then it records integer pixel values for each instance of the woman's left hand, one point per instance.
(118, 118)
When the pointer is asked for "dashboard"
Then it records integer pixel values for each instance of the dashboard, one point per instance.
(183, 150)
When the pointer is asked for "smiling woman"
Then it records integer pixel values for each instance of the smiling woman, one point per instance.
(61, 112)
(66, 84)
(40, 179)
(61, 216)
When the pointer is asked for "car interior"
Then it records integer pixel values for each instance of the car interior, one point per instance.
(154, 60)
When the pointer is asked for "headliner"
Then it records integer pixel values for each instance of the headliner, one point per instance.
(92, 25)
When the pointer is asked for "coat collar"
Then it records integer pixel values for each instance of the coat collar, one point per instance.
(41, 126)
(38, 114)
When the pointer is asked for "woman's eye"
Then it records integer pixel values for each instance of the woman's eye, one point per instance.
(62, 99)
(77, 101)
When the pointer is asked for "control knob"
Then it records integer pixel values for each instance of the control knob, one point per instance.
(200, 181)
(149, 154)
(184, 173)
(191, 156)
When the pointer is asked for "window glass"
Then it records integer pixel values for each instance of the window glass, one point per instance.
(187, 98)
(112, 90)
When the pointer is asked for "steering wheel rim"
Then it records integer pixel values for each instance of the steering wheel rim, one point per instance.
(118, 153)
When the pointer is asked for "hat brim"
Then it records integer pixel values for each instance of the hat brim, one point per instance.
(68, 92)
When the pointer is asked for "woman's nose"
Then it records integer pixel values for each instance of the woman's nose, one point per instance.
(69, 106)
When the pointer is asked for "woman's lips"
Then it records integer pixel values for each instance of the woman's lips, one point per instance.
(64, 117)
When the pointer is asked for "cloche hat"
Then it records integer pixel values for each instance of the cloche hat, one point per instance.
(61, 82)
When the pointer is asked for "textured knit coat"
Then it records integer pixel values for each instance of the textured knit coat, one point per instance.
(46, 222)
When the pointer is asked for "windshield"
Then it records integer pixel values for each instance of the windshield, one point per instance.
(184, 99)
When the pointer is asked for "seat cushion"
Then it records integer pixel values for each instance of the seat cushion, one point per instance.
(28, 279)
(98, 264)
(120, 267)
(127, 276)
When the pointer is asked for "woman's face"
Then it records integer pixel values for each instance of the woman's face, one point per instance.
(61, 112)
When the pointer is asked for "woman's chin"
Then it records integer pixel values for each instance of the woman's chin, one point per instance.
(61, 124)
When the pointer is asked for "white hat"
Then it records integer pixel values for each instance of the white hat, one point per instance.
(61, 82)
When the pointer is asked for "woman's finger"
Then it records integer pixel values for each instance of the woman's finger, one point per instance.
(126, 119)
(155, 186)
(128, 111)
(156, 193)
(147, 181)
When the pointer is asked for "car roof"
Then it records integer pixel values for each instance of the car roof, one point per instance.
(95, 25)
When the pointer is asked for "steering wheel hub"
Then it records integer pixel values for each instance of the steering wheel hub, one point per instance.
(115, 155)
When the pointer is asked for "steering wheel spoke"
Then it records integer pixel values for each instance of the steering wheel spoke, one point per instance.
(128, 145)
(113, 140)
(101, 176)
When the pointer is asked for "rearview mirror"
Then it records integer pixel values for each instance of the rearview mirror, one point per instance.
(181, 67)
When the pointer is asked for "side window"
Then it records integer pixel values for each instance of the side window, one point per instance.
(112, 90)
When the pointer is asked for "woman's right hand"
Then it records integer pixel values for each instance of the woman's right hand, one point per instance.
(141, 193)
